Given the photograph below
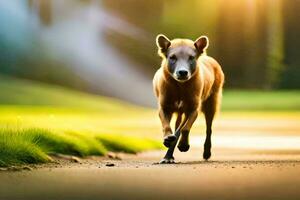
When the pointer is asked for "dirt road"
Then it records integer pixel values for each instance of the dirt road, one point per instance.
(230, 174)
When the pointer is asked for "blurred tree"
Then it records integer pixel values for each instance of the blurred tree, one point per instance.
(275, 43)
(43, 9)
(291, 15)
(242, 40)
(143, 14)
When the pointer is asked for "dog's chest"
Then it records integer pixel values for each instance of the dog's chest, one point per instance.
(181, 99)
(178, 104)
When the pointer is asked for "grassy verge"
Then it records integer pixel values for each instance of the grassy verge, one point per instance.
(23, 146)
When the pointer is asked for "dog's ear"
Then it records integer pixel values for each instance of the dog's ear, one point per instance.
(162, 42)
(201, 44)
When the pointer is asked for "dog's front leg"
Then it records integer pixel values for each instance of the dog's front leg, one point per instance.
(184, 127)
(169, 158)
(165, 116)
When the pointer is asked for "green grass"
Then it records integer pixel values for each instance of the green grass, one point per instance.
(283, 100)
(38, 119)
(19, 148)
(23, 146)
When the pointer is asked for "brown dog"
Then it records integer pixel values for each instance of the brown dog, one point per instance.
(188, 81)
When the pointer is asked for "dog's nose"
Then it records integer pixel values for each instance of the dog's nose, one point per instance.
(182, 73)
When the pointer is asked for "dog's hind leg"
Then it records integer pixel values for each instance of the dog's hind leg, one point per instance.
(209, 108)
(183, 145)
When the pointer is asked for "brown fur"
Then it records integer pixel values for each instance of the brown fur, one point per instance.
(202, 92)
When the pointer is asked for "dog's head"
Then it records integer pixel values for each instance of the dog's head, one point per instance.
(180, 55)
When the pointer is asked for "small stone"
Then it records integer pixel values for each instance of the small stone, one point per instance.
(110, 164)
(27, 168)
(75, 159)
(112, 155)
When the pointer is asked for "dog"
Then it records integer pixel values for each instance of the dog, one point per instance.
(187, 82)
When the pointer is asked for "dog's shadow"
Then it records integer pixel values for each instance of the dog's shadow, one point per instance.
(231, 162)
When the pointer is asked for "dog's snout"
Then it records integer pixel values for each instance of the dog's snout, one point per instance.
(182, 73)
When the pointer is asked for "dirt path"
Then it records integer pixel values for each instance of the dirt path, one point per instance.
(231, 174)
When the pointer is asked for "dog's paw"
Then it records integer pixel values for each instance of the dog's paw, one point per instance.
(167, 161)
(183, 147)
(168, 140)
(206, 154)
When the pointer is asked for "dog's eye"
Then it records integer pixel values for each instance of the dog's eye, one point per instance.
(173, 58)
(191, 58)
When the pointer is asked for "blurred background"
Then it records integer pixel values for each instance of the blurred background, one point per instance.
(76, 75)
(107, 47)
